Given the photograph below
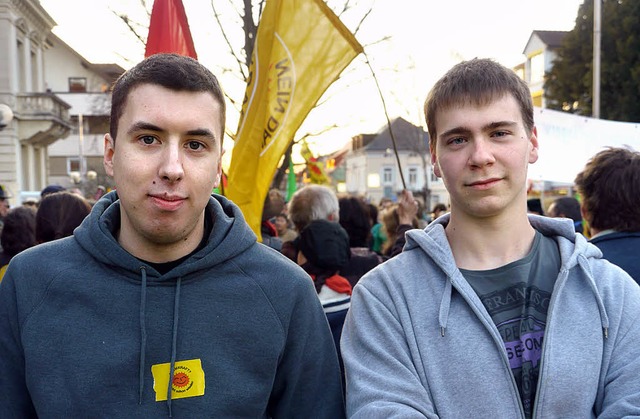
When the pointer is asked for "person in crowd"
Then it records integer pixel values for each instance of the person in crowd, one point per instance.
(377, 237)
(354, 218)
(397, 219)
(319, 202)
(48, 190)
(323, 249)
(274, 204)
(282, 227)
(534, 206)
(17, 235)
(490, 311)
(162, 303)
(4, 205)
(438, 210)
(59, 214)
(609, 187)
(567, 207)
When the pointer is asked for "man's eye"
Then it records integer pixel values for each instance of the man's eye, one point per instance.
(147, 139)
(195, 145)
(456, 141)
(500, 133)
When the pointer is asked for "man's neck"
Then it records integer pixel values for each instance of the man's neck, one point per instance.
(154, 252)
(488, 243)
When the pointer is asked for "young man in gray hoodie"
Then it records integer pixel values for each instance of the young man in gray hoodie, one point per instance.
(490, 312)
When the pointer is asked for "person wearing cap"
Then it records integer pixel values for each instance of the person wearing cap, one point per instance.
(50, 189)
(4, 204)
(323, 249)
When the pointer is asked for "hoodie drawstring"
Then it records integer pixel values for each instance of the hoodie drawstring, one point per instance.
(143, 330)
(174, 341)
(604, 319)
(445, 305)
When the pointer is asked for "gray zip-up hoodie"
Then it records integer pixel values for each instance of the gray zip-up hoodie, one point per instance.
(83, 323)
(418, 341)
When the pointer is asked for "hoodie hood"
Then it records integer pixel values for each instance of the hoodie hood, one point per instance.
(433, 241)
(575, 251)
(229, 237)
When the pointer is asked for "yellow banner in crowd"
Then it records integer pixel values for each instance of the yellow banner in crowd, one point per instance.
(301, 48)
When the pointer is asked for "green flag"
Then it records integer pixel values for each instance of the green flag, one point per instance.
(291, 181)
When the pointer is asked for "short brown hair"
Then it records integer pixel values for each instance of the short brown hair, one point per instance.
(59, 214)
(171, 71)
(476, 82)
(610, 189)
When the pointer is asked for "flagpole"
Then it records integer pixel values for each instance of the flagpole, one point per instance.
(386, 114)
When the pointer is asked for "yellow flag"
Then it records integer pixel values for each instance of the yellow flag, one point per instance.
(301, 48)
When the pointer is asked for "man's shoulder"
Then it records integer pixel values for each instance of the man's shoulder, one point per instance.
(265, 264)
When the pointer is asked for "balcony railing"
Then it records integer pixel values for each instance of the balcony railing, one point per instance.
(41, 106)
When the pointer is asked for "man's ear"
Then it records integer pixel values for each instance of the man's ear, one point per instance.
(109, 151)
(533, 151)
(434, 161)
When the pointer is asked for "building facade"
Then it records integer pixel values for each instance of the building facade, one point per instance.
(371, 167)
(540, 52)
(39, 78)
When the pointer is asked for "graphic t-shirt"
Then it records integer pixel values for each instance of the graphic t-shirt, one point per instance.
(517, 297)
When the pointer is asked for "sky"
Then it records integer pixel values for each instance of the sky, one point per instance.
(426, 38)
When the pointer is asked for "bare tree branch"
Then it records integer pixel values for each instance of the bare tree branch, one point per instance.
(355, 32)
(133, 26)
(226, 39)
(315, 134)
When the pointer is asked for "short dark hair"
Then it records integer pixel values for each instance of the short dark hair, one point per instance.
(19, 230)
(172, 71)
(354, 218)
(568, 206)
(59, 214)
(609, 186)
(476, 82)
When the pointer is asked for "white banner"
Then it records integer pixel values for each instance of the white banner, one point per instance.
(567, 142)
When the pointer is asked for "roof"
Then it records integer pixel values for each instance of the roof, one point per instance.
(110, 72)
(552, 38)
(408, 137)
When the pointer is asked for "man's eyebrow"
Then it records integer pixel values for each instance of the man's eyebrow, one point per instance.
(499, 124)
(201, 132)
(488, 127)
(456, 130)
(143, 126)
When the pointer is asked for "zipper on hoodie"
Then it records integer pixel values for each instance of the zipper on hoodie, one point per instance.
(497, 339)
(559, 285)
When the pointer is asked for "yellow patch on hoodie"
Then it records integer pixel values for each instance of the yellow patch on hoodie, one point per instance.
(187, 380)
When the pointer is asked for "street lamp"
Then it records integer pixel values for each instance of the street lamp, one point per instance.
(6, 115)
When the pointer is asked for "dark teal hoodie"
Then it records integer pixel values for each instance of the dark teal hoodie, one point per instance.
(82, 322)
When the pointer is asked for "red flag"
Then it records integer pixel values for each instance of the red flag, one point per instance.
(169, 30)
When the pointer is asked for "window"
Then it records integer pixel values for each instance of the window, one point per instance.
(537, 68)
(73, 164)
(387, 175)
(77, 84)
(413, 176)
(434, 178)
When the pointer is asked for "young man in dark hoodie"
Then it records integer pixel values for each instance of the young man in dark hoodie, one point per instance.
(162, 303)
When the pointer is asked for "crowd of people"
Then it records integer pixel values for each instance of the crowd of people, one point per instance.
(159, 300)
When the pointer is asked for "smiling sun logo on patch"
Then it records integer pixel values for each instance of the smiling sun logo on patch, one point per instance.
(180, 380)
